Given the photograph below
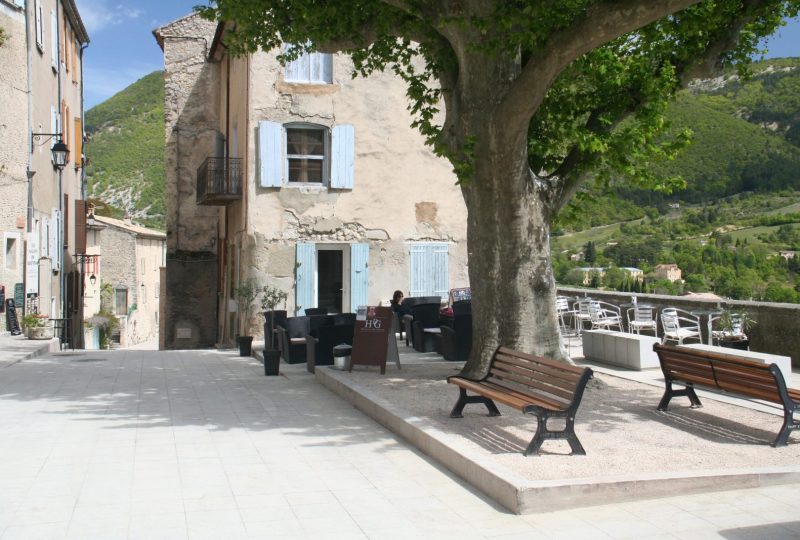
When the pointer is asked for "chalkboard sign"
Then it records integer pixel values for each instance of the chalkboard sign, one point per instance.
(12, 323)
(19, 294)
(2, 298)
(371, 345)
(459, 295)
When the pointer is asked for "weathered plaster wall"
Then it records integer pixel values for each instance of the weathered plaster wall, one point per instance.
(402, 192)
(191, 121)
(14, 149)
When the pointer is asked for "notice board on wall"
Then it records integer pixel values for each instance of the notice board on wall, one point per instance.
(373, 338)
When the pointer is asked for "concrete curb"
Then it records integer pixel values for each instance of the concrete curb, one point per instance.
(522, 496)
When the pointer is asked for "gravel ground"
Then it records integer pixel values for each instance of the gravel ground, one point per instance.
(617, 423)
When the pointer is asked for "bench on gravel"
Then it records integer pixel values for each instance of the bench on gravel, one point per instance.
(736, 376)
(533, 385)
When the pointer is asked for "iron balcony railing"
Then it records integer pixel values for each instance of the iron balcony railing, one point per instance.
(219, 181)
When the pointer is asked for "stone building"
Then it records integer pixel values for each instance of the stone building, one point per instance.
(126, 259)
(667, 271)
(41, 206)
(300, 177)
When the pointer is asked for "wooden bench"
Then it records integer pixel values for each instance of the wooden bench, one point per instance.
(533, 385)
(737, 376)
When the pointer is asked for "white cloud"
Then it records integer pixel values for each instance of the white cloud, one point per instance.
(98, 14)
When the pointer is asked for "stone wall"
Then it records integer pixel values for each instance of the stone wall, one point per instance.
(14, 147)
(191, 118)
(777, 328)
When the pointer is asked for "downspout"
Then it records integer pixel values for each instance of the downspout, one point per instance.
(62, 233)
(30, 172)
(84, 187)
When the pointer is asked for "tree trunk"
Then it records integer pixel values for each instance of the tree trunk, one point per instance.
(508, 237)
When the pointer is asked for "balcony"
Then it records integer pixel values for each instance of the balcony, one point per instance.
(219, 181)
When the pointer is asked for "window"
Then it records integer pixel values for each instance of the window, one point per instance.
(310, 68)
(54, 40)
(429, 273)
(305, 154)
(39, 28)
(121, 301)
(11, 253)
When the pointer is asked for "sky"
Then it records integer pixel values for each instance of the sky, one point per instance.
(122, 48)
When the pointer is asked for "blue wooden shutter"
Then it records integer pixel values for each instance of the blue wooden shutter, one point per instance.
(429, 270)
(270, 153)
(305, 272)
(343, 156)
(359, 264)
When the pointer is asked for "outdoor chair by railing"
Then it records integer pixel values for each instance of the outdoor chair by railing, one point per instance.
(680, 325)
(642, 319)
(605, 316)
(563, 311)
(581, 315)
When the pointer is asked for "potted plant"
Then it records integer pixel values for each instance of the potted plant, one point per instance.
(733, 328)
(270, 298)
(246, 293)
(106, 323)
(36, 327)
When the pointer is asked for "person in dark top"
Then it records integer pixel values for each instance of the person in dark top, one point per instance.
(397, 304)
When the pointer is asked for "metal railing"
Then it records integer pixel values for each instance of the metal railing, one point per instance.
(219, 181)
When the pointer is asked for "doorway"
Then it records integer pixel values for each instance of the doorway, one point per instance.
(330, 278)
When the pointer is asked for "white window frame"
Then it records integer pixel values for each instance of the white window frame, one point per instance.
(14, 257)
(309, 68)
(325, 158)
(54, 40)
(39, 16)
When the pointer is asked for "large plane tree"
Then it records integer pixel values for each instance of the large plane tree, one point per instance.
(527, 99)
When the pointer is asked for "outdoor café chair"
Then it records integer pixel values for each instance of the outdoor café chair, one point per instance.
(604, 316)
(680, 325)
(641, 319)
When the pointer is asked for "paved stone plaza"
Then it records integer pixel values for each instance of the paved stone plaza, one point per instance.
(199, 444)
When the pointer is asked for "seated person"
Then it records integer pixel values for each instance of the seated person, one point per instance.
(397, 305)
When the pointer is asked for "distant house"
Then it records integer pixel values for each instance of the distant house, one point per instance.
(577, 256)
(787, 254)
(670, 272)
(129, 258)
(635, 273)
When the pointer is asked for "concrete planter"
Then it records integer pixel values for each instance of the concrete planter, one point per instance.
(39, 332)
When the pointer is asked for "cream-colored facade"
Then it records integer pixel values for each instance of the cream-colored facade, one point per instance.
(667, 271)
(341, 201)
(41, 99)
(126, 260)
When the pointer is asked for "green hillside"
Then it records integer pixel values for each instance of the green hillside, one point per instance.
(126, 152)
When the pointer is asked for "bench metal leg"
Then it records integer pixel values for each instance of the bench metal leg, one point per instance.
(670, 392)
(789, 425)
(544, 433)
(463, 399)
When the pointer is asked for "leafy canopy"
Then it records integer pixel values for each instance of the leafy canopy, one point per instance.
(578, 127)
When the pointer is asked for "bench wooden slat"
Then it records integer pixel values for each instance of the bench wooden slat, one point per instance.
(735, 375)
(533, 385)
(517, 375)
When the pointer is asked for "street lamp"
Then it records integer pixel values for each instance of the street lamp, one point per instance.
(59, 152)
(92, 279)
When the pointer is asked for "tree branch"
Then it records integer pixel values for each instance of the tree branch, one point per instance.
(603, 22)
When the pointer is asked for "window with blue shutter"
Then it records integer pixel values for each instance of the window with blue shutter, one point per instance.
(310, 68)
(359, 275)
(305, 273)
(343, 156)
(429, 271)
(270, 153)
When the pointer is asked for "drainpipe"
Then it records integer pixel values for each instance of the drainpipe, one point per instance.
(62, 233)
(30, 172)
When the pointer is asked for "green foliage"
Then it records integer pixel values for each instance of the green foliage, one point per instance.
(107, 322)
(271, 297)
(126, 151)
(33, 320)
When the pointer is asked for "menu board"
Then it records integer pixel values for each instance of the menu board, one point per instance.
(458, 295)
(371, 343)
